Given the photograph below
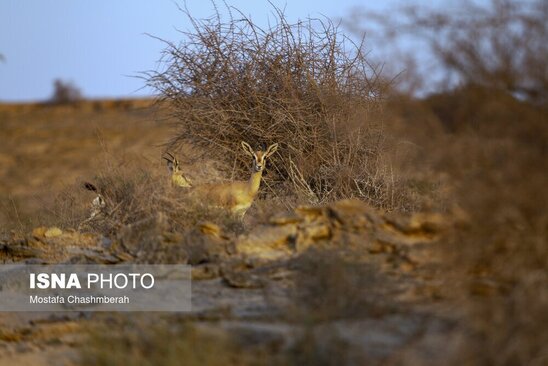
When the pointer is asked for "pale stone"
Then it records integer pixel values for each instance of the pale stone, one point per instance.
(53, 232)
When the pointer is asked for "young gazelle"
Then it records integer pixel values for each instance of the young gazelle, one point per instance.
(98, 207)
(236, 196)
(178, 179)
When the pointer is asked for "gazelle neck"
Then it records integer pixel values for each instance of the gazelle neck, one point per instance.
(255, 182)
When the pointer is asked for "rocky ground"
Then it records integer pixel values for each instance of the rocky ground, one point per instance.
(375, 274)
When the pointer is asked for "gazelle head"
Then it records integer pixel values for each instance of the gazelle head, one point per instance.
(178, 179)
(98, 207)
(98, 203)
(259, 156)
(172, 163)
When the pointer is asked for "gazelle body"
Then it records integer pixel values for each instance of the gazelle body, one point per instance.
(98, 204)
(236, 196)
(177, 177)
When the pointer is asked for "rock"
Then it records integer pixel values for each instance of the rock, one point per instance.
(39, 232)
(206, 271)
(268, 242)
(310, 213)
(140, 234)
(285, 220)
(85, 256)
(24, 251)
(354, 214)
(206, 244)
(244, 279)
(420, 225)
(204, 248)
(346, 223)
(149, 241)
(53, 232)
(210, 229)
(379, 247)
(310, 234)
(35, 261)
(8, 335)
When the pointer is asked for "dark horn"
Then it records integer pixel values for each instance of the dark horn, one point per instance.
(90, 187)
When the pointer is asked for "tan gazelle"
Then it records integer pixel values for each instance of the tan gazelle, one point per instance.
(178, 179)
(236, 196)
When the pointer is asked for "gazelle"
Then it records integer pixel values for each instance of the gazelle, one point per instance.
(178, 179)
(98, 205)
(236, 196)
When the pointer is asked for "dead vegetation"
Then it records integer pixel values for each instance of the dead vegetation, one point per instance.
(65, 92)
(305, 86)
(331, 286)
(142, 343)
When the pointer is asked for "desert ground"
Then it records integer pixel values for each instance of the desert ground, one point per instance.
(332, 282)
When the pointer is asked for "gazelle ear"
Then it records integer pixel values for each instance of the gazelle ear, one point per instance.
(271, 150)
(90, 187)
(248, 149)
(170, 164)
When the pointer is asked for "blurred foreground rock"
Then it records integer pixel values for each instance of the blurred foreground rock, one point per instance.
(347, 224)
(53, 246)
(406, 240)
(367, 265)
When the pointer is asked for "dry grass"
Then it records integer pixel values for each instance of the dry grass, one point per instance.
(329, 285)
(133, 194)
(140, 343)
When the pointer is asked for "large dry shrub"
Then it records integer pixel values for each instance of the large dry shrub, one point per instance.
(65, 92)
(304, 85)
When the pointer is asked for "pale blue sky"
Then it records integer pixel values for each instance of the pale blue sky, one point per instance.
(100, 44)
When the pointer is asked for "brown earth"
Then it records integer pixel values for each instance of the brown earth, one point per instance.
(341, 281)
(47, 148)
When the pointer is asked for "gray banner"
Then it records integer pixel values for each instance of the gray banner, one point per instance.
(95, 288)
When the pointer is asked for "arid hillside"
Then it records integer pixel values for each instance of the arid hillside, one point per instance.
(48, 150)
